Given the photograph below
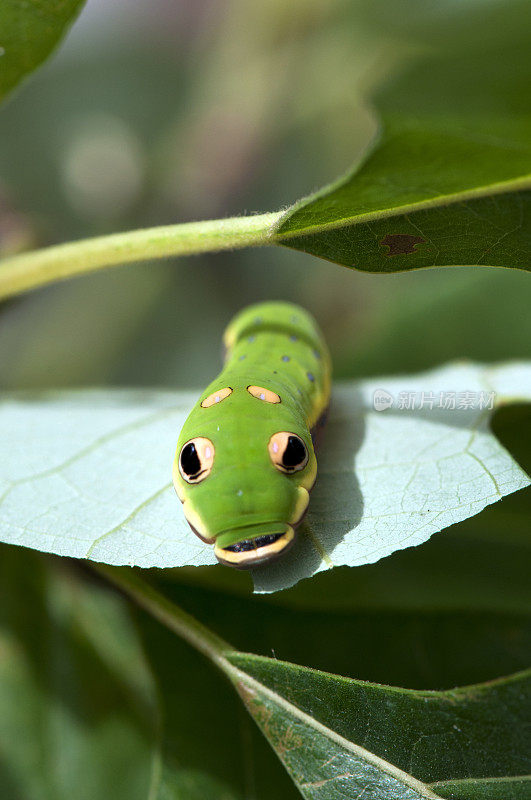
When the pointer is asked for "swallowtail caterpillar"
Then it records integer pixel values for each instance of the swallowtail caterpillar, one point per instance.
(245, 460)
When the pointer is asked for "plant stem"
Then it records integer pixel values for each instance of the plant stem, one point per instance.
(37, 268)
(170, 615)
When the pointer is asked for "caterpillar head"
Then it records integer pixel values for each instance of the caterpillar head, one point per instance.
(243, 470)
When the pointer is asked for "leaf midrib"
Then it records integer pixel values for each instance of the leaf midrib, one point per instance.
(239, 676)
(440, 201)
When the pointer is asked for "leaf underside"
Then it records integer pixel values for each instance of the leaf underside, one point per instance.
(88, 474)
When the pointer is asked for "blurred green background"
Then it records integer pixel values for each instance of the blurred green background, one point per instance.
(157, 111)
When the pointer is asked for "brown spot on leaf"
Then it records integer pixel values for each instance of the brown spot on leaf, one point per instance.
(285, 740)
(401, 244)
(281, 734)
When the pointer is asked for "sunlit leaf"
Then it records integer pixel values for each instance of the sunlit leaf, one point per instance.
(87, 474)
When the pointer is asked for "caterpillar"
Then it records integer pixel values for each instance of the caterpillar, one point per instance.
(245, 460)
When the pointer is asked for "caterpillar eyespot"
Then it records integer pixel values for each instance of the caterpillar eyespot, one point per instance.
(263, 394)
(216, 397)
(288, 452)
(196, 459)
(265, 462)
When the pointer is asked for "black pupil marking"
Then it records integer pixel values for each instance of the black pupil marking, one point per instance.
(190, 462)
(253, 544)
(294, 454)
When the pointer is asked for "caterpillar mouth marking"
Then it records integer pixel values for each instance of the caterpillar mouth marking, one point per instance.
(253, 544)
(255, 551)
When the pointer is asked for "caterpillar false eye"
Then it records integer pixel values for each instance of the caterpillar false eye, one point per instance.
(216, 397)
(277, 378)
(288, 452)
(263, 394)
(196, 459)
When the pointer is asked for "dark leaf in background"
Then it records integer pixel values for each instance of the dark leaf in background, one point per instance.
(29, 31)
(73, 688)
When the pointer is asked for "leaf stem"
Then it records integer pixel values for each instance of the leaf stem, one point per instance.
(37, 268)
(169, 614)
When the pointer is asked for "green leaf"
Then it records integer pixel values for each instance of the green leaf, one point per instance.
(446, 184)
(483, 226)
(322, 763)
(340, 737)
(475, 731)
(29, 32)
(87, 474)
(486, 789)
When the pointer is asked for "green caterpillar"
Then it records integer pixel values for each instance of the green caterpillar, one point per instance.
(245, 460)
